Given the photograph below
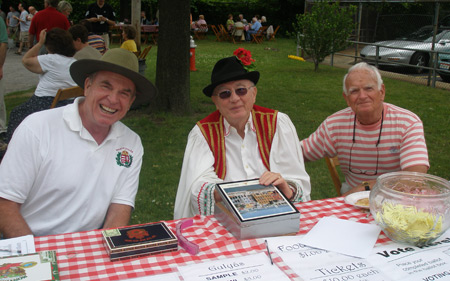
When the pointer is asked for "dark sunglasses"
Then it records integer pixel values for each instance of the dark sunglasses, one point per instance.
(239, 91)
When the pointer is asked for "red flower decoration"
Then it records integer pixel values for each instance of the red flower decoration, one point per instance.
(245, 57)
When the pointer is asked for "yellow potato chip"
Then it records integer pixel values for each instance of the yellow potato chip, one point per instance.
(362, 202)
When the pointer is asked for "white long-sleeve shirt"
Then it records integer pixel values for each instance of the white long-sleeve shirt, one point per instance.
(243, 161)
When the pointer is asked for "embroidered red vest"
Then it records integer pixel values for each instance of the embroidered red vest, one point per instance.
(265, 122)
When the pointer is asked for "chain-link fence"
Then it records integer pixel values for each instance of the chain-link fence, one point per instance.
(408, 41)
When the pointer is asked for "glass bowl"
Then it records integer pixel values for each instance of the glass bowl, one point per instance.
(410, 207)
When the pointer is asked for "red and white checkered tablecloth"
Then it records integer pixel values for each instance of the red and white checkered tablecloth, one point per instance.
(82, 256)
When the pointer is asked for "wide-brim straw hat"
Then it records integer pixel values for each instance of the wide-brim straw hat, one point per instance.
(119, 61)
(229, 69)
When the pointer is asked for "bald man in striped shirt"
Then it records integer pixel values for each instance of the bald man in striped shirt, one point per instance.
(370, 137)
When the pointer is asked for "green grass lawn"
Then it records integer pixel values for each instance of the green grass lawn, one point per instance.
(290, 86)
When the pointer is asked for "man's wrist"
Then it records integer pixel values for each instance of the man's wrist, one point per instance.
(294, 191)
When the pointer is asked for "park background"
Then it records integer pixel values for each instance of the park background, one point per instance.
(291, 86)
(390, 17)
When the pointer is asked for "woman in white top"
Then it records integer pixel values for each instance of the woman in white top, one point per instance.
(53, 70)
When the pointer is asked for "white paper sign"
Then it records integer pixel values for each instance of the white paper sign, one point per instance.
(403, 262)
(17, 246)
(394, 261)
(246, 268)
(283, 244)
(343, 236)
(320, 265)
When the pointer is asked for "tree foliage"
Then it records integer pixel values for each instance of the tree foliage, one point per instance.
(325, 29)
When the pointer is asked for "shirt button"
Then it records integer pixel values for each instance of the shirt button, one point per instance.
(246, 166)
(242, 146)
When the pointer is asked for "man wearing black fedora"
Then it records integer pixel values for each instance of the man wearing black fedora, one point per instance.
(239, 141)
(76, 168)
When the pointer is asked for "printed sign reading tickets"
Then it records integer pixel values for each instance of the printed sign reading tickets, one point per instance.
(313, 264)
(246, 268)
(317, 265)
(392, 261)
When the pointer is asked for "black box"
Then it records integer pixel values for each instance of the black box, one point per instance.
(133, 241)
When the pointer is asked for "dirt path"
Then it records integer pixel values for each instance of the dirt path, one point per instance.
(15, 76)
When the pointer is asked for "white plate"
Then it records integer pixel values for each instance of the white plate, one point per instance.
(352, 198)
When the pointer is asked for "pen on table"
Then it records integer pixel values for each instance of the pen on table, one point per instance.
(268, 251)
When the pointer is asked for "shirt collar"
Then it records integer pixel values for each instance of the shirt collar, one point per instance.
(72, 118)
(248, 126)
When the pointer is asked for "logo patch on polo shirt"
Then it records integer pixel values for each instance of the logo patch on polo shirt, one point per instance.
(124, 157)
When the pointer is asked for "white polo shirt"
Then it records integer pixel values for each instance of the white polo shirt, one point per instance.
(64, 180)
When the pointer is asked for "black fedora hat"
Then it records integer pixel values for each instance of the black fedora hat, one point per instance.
(116, 60)
(226, 70)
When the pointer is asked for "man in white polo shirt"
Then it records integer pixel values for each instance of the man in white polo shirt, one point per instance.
(370, 137)
(76, 168)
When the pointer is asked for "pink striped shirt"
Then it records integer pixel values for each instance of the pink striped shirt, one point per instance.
(402, 143)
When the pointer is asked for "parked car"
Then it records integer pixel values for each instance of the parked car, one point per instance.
(420, 41)
(444, 67)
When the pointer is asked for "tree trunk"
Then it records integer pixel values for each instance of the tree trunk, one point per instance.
(172, 66)
(136, 21)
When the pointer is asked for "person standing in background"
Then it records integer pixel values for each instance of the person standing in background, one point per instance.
(101, 16)
(13, 24)
(31, 12)
(66, 9)
(48, 18)
(24, 27)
